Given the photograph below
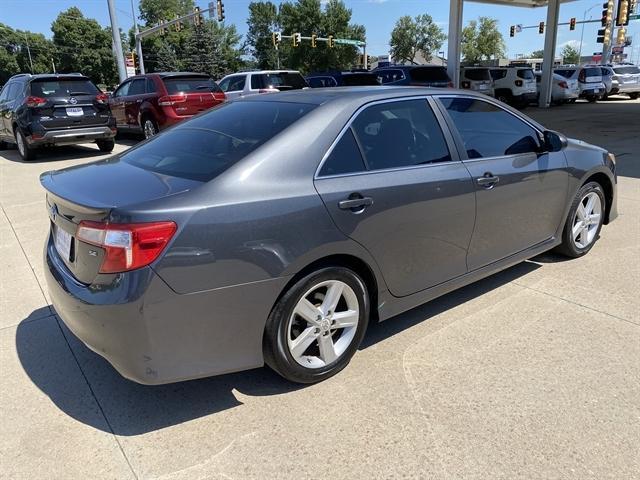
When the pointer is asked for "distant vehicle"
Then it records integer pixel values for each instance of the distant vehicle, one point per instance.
(589, 80)
(478, 79)
(342, 79)
(51, 109)
(514, 85)
(150, 103)
(563, 90)
(610, 84)
(628, 78)
(243, 84)
(414, 75)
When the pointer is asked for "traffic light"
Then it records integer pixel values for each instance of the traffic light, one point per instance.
(512, 31)
(621, 37)
(633, 6)
(177, 26)
(572, 23)
(220, 10)
(541, 27)
(604, 35)
(296, 38)
(331, 42)
(197, 19)
(276, 37)
(622, 18)
(313, 40)
(163, 29)
(607, 13)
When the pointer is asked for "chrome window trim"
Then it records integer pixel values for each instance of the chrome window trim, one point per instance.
(347, 126)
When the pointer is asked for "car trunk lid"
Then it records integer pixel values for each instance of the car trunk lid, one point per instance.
(191, 94)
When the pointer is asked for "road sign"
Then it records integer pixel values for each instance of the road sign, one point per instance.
(616, 50)
(131, 71)
(519, 28)
(634, 17)
(345, 41)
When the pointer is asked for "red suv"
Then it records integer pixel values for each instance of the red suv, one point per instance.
(150, 103)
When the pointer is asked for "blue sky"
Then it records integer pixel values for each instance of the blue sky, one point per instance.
(378, 16)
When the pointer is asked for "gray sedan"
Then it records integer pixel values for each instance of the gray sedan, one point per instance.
(275, 228)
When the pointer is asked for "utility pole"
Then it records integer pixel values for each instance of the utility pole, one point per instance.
(138, 41)
(26, 39)
(584, 17)
(117, 44)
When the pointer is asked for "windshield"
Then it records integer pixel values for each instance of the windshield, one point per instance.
(477, 74)
(63, 88)
(190, 84)
(202, 148)
(429, 74)
(626, 70)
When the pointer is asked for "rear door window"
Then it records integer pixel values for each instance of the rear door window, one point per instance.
(498, 73)
(207, 145)
(429, 74)
(233, 84)
(138, 87)
(151, 86)
(46, 88)
(525, 73)
(190, 84)
(344, 158)
(122, 90)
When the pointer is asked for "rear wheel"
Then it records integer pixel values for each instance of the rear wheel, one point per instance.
(584, 221)
(592, 98)
(149, 127)
(634, 95)
(26, 152)
(3, 145)
(317, 325)
(504, 96)
(106, 145)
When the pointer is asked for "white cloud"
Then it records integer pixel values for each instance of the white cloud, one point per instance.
(570, 43)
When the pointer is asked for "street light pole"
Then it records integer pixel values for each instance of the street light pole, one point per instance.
(138, 41)
(584, 17)
(117, 43)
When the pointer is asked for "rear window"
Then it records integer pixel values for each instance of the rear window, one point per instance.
(566, 73)
(388, 76)
(63, 88)
(429, 74)
(359, 79)
(626, 70)
(477, 74)
(525, 73)
(592, 72)
(190, 84)
(320, 82)
(279, 80)
(202, 148)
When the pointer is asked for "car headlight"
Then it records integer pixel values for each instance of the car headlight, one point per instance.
(612, 157)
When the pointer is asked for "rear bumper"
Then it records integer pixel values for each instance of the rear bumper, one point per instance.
(151, 334)
(70, 136)
(529, 97)
(628, 88)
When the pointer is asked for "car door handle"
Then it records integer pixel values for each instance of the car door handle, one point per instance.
(488, 180)
(355, 204)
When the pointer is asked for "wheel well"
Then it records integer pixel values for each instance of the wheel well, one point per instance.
(349, 261)
(605, 183)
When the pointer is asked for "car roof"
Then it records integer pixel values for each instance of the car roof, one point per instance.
(406, 67)
(49, 76)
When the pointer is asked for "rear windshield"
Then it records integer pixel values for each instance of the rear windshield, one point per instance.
(190, 84)
(279, 80)
(592, 72)
(357, 79)
(477, 74)
(525, 73)
(626, 70)
(319, 82)
(63, 88)
(202, 148)
(429, 74)
(566, 73)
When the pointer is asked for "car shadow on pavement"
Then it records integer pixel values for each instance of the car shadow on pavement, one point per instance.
(127, 408)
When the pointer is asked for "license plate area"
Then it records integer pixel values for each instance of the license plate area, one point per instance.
(74, 111)
(62, 240)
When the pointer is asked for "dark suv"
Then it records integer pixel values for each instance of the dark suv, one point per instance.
(51, 109)
(416, 75)
(150, 103)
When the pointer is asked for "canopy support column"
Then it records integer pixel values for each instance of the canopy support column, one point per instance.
(455, 34)
(553, 10)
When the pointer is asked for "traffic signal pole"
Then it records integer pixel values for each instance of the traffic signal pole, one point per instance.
(117, 43)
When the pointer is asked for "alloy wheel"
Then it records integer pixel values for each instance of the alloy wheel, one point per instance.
(323, 324)
(20, 143)
(149, 129)
(587, 220)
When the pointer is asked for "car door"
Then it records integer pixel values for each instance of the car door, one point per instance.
(393, 183)
(117, 104)
(521, 190)
(233, 86)
(135, 96)
(4, 111)
(14, 91)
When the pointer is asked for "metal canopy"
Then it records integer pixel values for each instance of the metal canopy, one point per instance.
(519, 3)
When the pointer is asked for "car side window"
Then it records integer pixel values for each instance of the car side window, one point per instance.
(344, 158)
(122, 90)
(497, 74)
(14, 90)
(4, 94)
(138, 87)
(233, 84)
(257, 82)
(489, 131)
(399, 134)
(151, 86)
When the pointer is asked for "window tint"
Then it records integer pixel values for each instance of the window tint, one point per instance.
(138, 87)
(359, 79)
(13, 90)
(399, 134)
(497, 73)
(388, 76)
(489, 131)
(429, 74)
(4, 92)
(592, 72)
(344, 158)
(232, 84)
(151, 86)
(319, 82)
(279, 80)
(122, 90)
(63, 88)
(477, 74)
(626, 70)
(525, 73)
(190, 84)
(207, 145)
(566, 73)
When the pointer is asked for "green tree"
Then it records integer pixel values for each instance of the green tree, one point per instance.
(82, 45)
(213, 48)
(411, 37)
(537, 54)
(155, 11)
(481, 40)
(166, 59)
(15, 46)
(570, 55)
(262, 22)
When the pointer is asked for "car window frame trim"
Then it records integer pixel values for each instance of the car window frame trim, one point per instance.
(444, 127)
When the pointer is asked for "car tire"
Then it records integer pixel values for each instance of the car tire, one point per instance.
(592, 98)
(573, 244)
(106, 146)
(312, 348)
(634, 95)
(504, 97)
(149, 127)
(3, 145)
(26, 152)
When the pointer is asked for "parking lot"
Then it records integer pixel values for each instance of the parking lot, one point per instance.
(531, 373)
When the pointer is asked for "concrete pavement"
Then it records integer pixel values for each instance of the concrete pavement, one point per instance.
(531, 373)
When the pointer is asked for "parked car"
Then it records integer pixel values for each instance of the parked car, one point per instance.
(51, 109)
(150, 103)
(628, 78)
(477, 79)
(341, 79)
(415, 75)
(563, 90)
(514, 85)
(243, 84)
(609, 81)
(589, 80)
(274, 228)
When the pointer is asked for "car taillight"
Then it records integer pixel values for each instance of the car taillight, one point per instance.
(127, 246)
(32, 101)
(102, 98)
(518, 83)
(466, 84)
(582, 76)
(169, 100)
(563, 84)
(450, 84)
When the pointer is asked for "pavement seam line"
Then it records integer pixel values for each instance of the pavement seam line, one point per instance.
(104, 415)
(28, 321)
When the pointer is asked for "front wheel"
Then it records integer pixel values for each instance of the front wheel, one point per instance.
(634, 95)
(592, 98)
(584, 221)
(317, 325)
(149, 127)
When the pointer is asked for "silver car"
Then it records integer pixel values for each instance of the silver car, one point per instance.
(243, 84)
(563, 90)
(589, 80)
(273, 229)
(477, 79)
(628, 79)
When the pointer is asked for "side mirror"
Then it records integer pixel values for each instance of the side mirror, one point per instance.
(554, 141)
